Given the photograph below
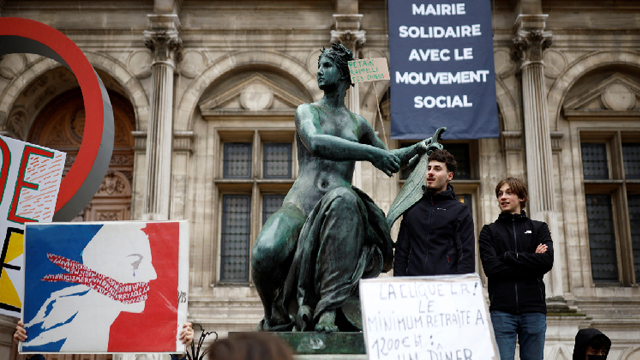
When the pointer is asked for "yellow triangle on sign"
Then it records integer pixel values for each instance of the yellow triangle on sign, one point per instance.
(8, 293)
(15, 247)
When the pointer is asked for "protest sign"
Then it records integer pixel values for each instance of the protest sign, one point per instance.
(442, 71)
(363, 70)
(30, 178)
(112, 287)
(426, 318)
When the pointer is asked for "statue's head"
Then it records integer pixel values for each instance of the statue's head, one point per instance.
(340, 56)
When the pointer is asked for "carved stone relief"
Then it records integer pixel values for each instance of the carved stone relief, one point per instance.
(256, 96)
(17, 123)
(12, 65)
(618, 96)
(555, 63)
(504, 65)
(192, 64)
(114, 184)
(140, 64)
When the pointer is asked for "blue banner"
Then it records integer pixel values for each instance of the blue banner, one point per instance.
(442, 71)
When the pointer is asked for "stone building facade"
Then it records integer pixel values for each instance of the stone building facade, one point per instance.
(204, 94)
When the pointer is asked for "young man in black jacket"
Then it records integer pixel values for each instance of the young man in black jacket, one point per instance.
(516, 252)
(436, 234)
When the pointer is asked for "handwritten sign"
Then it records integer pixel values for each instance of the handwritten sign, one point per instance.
(426, 318)
(30, 178)
(363, 70)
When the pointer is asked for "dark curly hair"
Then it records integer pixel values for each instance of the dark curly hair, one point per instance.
(341, 56)
(446, 157)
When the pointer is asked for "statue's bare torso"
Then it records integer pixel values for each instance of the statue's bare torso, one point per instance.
(318, 176)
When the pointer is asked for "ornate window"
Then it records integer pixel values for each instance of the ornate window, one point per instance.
(257, 172)
(611, 179)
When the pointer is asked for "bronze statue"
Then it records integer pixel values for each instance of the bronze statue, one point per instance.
(308, 259)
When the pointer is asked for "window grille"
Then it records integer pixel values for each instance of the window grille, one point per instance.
(604, 264)
(594, 161)
(277, 160)
(237, 160)
(236, 226)
(631, 160)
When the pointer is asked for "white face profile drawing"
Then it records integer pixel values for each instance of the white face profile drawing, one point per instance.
(122, 253)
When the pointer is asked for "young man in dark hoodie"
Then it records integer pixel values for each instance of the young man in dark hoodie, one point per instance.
(591, 344)
(516, 252)
(436, 234)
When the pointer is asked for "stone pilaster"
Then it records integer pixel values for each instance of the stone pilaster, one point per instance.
(528, 47)
(166, 46)
(348, 33)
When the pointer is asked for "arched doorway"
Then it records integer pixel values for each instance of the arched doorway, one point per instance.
(61, 125)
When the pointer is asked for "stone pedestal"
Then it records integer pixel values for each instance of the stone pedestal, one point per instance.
(323, 346)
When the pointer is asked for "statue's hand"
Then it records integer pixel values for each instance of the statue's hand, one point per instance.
(431, 144)
(386, 161)
(426, 146)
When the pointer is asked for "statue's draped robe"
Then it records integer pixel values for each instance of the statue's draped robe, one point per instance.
(345, 238)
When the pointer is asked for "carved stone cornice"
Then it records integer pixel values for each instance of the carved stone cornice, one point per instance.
(348, 31)
(183, 141)
(512, 140)
(140, 140)
(166, 46)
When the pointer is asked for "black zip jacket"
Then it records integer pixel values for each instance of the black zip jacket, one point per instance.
(507, 251)
(436, 237)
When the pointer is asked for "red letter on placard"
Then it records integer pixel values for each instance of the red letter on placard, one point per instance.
(6, 161)
(20, 183)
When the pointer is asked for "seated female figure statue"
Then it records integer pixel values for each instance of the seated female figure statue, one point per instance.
(310, 254)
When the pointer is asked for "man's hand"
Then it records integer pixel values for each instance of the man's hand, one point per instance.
(186, 335)
(386, 161)
(21, 333)
(541, 249)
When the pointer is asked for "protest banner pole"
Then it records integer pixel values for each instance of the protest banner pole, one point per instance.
(384, 133)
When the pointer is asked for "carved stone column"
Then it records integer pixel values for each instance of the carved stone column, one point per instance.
(528, 47)
(166, 46)
(348, 33)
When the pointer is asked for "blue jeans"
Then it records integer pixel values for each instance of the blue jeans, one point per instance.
(528, 328)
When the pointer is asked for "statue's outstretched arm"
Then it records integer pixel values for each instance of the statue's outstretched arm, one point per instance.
(414, 187)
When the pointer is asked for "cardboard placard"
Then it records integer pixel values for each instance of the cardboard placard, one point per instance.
(112, 287)
(363, 70)
(426, 318)
(30, 178)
